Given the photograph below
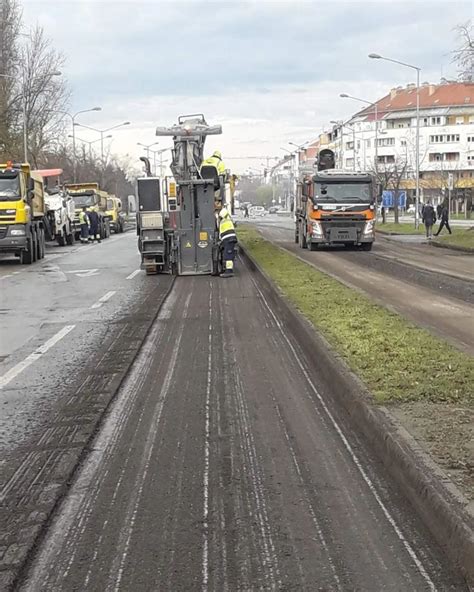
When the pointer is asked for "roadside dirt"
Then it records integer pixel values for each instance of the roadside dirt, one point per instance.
(446, 432)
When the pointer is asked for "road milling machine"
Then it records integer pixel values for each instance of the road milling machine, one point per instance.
(176, 218)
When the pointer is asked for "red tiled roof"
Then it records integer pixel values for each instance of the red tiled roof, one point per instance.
(431, 96)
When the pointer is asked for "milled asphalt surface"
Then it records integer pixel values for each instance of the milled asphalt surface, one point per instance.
(433, 290)
(64, 354)
(221, 467)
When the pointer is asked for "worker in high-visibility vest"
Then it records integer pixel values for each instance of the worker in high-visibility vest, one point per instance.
(84, 223)
(228, 239)
(94, 230)
(216, 161)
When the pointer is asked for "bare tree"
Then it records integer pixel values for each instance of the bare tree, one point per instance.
(44, 93)
(389, 177)
(10, 24)
(463, 55)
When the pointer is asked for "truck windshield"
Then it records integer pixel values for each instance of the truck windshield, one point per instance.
(9, 188)
(343, 192)
(83, 200)
(110, 204)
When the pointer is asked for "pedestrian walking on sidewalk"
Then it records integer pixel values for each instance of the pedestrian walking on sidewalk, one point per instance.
(84, 223)
(429, 219)
(444, 219)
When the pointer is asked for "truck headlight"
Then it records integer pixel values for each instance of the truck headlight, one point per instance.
(369, 227)
(17, 232)
(317, 229)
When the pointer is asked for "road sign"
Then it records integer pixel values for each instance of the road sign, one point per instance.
(388, 199)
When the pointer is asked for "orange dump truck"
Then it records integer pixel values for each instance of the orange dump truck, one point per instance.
(334, 207)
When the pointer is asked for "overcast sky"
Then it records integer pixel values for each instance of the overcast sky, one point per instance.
(269, 72)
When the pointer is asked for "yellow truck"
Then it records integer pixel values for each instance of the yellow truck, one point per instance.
(90, 196)
(114, 214)
(23, 221)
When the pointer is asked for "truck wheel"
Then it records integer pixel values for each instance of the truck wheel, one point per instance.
(121, 228)
(70, 238)
(366, 246)
(34, 247)
(297, 238)
(303, 242)
(26, 257)
(41, 244)
(313, 246)
(60, 238)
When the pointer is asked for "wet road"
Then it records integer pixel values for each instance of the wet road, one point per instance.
(432, 289)
(221, 466)
(55, 316)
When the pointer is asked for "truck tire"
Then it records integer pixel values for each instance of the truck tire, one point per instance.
(41, 244)
(121, 227)
(313, 246)
(70, 238)
(26, 257)
(297, 238)
(60, 238)
(302, 236)
(366, 246)
(34, 248)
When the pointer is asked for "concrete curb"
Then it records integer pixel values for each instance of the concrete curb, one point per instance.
(442, 507)
(452, 247)
(30, 526)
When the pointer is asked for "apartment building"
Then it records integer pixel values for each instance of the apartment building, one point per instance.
(384, 135)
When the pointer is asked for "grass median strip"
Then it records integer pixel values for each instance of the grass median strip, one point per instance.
(398, 361)
(460, 238)
(401, 228)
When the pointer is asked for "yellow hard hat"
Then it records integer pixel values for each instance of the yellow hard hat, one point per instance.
(217, 154)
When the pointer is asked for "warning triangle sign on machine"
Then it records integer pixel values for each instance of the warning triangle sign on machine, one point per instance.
(188, 245)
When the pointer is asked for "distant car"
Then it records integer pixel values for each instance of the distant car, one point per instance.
(411, 209)
(273, 209)
(258, 211)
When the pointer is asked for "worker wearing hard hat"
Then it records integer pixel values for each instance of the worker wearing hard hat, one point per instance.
(228, 240)
(216, 161)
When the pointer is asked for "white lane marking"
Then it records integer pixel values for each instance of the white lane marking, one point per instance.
(205, 548)
(4, 277)
(350, 450)
(104, 299)
(40, 351)
(133, 274)
(17, 272)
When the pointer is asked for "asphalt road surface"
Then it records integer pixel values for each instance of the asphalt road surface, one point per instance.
(434, 288)
(220, 466)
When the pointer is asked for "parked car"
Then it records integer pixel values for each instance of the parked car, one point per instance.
(258, 211)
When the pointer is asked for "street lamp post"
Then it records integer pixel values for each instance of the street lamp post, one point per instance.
(346, 96)
(25, 120)
(376, 56)
(89, 142)
(73, 136)
(147, 147)
(102, 132)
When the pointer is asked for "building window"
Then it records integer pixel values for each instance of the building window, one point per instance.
(349, 162)
(459, 120)
(386, 142)
(386, 159)
(358, 144)
(349, 145)
(451, 156)
(368, 143)
(470, 138)
(425, 120)
(403, 143)
(452, 138)
(436, 157)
